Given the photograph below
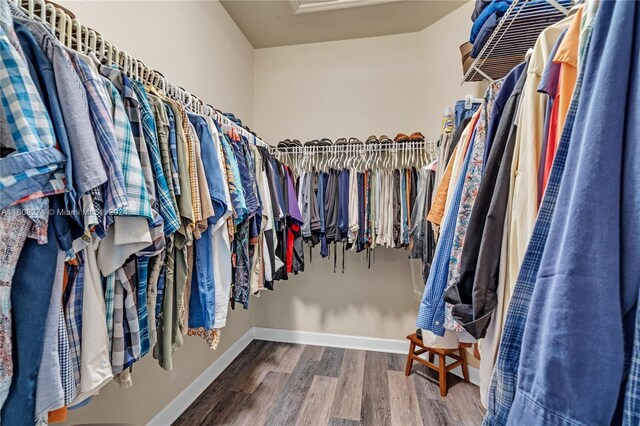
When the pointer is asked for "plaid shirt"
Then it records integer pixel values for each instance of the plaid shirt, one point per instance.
(69, 385)
(165, 205)
(143, 315)
(632, 394)
(73, 312)
(206, 207)
(109, 301)
(137, 195)
(123, 349)
(115, 193)
(173, 146)
(505, 374)
(30, 171)
(162, 122)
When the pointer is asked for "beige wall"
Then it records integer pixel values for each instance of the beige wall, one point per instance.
(198, 46)
(357, 88)
(194, 44)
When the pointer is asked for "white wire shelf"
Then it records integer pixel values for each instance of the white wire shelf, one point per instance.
(516, 33)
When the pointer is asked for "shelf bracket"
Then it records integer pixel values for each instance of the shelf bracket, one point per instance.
(482, 73)
(558, 6)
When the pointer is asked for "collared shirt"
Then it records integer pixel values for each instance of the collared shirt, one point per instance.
(162, 122)
(578, 292)
(137, 195)
(125, 320)
(41, 71)
(32, 166)
(212, 170)
(203, 195)
(73, 313)
(115, 191)
(504, 381)
(236, 189)
(526, 157)
(173, 145)
(165, 205)
(438, 207)
(132, 109)
(88, 169)
(431, 315)
(185, 202)
(469, 194)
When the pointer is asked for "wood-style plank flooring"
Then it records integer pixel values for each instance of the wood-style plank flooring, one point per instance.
(281, 384)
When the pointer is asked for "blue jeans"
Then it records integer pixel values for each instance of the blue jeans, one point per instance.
(461, 113)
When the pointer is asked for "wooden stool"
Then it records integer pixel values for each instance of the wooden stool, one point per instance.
(442, 368)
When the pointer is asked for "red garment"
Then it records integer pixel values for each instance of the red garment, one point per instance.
(552, 146)
(290, 236)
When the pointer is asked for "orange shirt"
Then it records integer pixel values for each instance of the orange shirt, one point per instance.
(438, 207)
(567, 57)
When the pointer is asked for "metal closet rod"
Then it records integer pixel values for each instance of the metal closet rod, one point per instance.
(83, 39)
(363, 148)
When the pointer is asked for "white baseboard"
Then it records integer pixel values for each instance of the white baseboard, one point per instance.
(185, 398)
(345, 341)
(331, 340)
(176, 407)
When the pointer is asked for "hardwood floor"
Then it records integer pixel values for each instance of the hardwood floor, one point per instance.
(281, 384)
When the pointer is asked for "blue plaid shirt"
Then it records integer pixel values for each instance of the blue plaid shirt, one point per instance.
(137, 195)
(165, 205)
(431, 313)
(31, 167)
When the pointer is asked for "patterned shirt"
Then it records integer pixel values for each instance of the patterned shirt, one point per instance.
(73, 311)
(115, 192)
(123, 349)
(165, 205)
(162, 122)
(137, 195)
(173, 146)
(33, 167)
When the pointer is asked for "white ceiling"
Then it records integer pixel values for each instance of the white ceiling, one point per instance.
(270, 23)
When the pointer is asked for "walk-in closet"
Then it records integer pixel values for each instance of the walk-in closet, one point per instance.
(320, 212)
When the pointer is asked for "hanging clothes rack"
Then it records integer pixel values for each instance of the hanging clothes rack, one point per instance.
(358, 156)
(516, 33)
(79, 37)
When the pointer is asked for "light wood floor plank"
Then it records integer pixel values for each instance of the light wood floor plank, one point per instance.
(348, 399)
(405, 410)
(317, 405)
